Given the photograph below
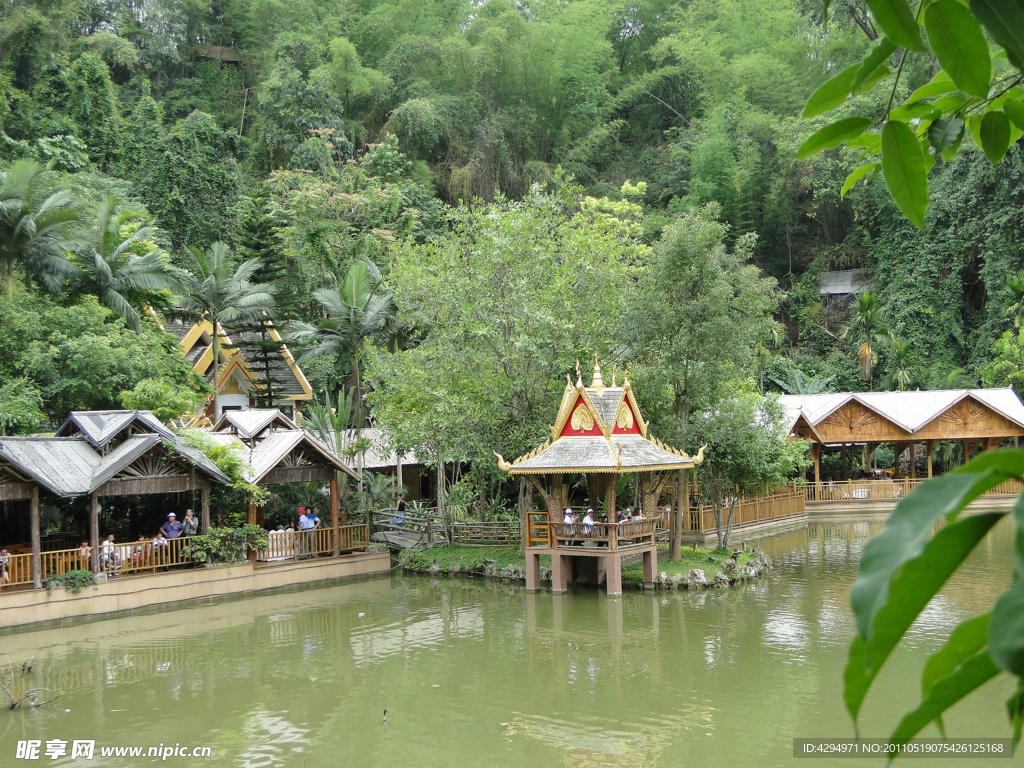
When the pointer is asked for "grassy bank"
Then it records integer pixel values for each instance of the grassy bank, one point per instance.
(474, 559)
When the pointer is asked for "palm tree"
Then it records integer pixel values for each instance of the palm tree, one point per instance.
(362, 307)
(904, 369)
(219, 292)
(797, 382)
(868, 331)
(36, 233)
(109, 269)
(1015, 299)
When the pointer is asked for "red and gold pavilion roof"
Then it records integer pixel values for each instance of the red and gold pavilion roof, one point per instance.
(599, 429)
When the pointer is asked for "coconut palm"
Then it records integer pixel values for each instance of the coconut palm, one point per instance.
(220, 291)
(867, 330)
(109, 269)
(796, 382)
(36, 233)
(357, 310)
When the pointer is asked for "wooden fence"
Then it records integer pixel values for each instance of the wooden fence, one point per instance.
(748, 511)
(299, 545)
(432, 528)
(844, 491)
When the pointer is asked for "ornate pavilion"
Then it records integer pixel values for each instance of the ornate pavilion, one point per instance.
(600, 433)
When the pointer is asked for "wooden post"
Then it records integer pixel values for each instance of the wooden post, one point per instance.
(558, 572)
(532, 571)
(613, 574)
(610, 497)
(204, 496)
(913, 461)
(930, 448)
(844, 471)
(250, 517)
(816, 458)
(94, 531)
(335, 527)
(37, 560)
(650, 567)
(399, 482)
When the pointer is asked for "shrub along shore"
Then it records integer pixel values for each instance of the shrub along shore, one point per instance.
(507, 563)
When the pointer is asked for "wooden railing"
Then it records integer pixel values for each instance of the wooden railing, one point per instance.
(748, 511)
(883, 490)
(299, 545)
(538, 529)
(19, 570)
(496, 532)
(610, 536)
(432, 527)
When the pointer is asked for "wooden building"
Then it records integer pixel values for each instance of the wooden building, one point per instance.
(238, 379)
(276, 450)
(978, 418)
(599, 432)
(96, 454)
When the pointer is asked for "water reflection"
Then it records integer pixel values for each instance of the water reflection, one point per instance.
(477, 672)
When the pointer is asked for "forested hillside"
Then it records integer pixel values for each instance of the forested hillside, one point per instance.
(357, 147)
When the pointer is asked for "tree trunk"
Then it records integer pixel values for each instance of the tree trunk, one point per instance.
(732, 513)
(679, 504)
(216, 365)
(716, 508)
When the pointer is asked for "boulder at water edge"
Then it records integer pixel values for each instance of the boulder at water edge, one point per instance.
(721, 580)
(696, 578)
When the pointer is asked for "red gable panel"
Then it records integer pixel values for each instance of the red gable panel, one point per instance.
(592, 431)
(631, 430)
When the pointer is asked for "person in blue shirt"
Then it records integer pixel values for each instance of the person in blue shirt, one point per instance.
(172, 528)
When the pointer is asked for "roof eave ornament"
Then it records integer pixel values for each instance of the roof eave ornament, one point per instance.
(598, 382)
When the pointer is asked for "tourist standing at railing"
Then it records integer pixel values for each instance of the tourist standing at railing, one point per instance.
(588, 523)
(109, 558)
(306, 525)
(190, 525)
(5, 565)
(172, 528)
(638, 516)
(85, 556)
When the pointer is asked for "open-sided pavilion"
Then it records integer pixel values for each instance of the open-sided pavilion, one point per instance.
(96, 454)
(600, 433)
(977, 418)
(275, 451)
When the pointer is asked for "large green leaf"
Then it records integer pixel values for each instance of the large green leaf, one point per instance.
(1004, 21)
(897, 22)
(1015, 709)
(857, 175)
(900, 571)
(959, 45)
(877, 58)
(969, 676)
(1006, 635)
(967, 639)
(831, 93)
(903, 168)
(938, 85)
(945, 132)
(1015, 111)
(995, 135)
(831, 136)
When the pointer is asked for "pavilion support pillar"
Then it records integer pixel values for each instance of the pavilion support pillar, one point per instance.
(37, 560)
(913, 461)
(613, 574)
(816, 458)
(250, 517)
(94, 531)
(610, 497)
(335, 527)
(650, 567)
(844, 464)
(533, 571)
(970, 446)
(930, 448)
(559, 571)
(993, 443)
(897, 452)
(204, 496)
(398, 472)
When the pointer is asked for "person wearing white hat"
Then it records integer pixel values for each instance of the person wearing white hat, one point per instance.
(588, 523)
(172, 528)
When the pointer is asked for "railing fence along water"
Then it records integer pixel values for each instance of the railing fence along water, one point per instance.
(300, 545)
(433, 527)
(150, 556)
(845, 491)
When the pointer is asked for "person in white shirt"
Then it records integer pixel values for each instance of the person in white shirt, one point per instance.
(588, 523)
(639, 515)
(108, 553)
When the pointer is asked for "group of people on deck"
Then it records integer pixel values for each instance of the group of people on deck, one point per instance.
(112, 554)
(624, 516)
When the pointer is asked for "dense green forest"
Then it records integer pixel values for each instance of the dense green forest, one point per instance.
(446, 204)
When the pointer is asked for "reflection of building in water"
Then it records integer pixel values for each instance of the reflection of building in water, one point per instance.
(375, 643)
(269, 738)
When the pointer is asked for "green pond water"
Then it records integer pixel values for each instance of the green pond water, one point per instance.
(480, 673)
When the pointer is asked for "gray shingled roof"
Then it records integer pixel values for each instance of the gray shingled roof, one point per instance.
(845, 282)
(80, 458)
(595, 454)
(379, 455)
(606, 402)
(271, 436)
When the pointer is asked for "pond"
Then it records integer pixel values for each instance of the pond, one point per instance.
(479, 673)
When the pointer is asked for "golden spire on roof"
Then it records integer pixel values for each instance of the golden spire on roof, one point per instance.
(579, 376)
(598, 382)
